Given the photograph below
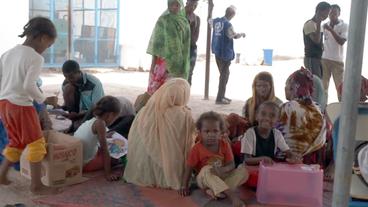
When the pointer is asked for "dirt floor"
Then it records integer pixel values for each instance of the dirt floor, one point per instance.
(130, 84)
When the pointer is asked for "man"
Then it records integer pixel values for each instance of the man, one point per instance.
(335, 35)
(80, 91)
(194, 22)
(312, 35)
(223, 48)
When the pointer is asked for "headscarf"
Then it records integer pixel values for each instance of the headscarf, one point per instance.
(170, 40)
(252, 102)
(302, 82)
(363, 89)
(166, 128)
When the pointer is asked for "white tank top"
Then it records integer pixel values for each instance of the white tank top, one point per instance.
(89, 140)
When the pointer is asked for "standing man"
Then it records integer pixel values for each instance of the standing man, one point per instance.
(194, 22)
(335, 35)
(312, 34)
(223, 48)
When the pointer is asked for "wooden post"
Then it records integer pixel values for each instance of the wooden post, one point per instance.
(208, 50)
(350, 98)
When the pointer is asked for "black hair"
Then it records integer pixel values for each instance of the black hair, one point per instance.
(70, 66)
(270, 104)
(211, 116)
(321, 6)
(38, 26)
(107, 104)
(335, 6)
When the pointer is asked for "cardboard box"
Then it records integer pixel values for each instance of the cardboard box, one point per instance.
(63, 163)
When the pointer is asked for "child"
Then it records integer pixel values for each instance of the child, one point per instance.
(261, 142)
(263, 90)
(93, 135)
(213, 160)
(20, 68)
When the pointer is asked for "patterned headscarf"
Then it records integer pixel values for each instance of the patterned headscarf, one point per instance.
(302, 83)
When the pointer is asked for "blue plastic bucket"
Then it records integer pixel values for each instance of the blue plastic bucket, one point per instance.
(267, 56)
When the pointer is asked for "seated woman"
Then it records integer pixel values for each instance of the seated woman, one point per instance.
(160, 138)
(263, 90)
(301, 121)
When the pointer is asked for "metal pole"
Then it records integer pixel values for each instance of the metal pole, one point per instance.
(70, 32)
(348, 119)
(208, 50)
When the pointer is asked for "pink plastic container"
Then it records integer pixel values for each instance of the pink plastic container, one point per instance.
(290, 185)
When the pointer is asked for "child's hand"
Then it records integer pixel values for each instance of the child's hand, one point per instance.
(294, 159)
(109, 134)
(267, 160)
(184, 191)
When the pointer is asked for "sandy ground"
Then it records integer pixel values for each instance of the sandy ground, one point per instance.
(130, 84)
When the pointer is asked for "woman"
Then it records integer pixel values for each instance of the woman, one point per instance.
(169, 46)
(161, 137)
(263, 90)
(301, 120)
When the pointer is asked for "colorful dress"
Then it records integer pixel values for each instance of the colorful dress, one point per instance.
(170, 44)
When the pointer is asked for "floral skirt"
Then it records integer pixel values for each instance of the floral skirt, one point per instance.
(158, 76)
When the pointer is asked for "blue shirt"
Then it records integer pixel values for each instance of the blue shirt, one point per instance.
(222, 45)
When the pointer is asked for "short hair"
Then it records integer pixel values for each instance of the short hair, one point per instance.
(335, 6)
(70, 66)
(230, 10)
(211, 116)
(107, 104)
(321, 6)
(270, 104)
(38, 26)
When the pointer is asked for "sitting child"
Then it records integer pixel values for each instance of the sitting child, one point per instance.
(213, 160)
(261, 142)
(93, 135)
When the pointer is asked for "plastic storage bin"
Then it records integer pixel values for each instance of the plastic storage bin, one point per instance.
(290, 185)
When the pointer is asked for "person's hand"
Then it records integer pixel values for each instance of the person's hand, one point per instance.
(112, 177)
(294, 159)
(327, 27)
(267, 160)
(242, 35)
(184, 191)
(52, 100)
(72, 116)
(109, 134)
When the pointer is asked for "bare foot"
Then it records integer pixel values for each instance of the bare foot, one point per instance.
(221, 196)
(44, 190)
(4, 181)
(210, 193)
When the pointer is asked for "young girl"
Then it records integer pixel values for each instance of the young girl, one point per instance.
(261, 142)
(93, 135)
(213, 160)
(263, 90)
(20, 68)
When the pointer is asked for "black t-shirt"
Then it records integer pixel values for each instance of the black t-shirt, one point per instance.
(265, 147)
(311, 49)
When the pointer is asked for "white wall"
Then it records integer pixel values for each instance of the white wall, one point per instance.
(13, 16)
